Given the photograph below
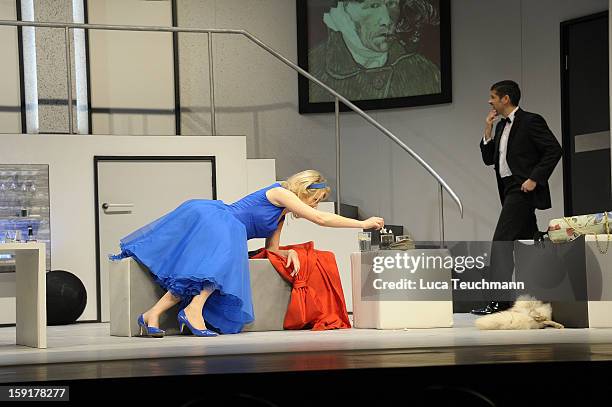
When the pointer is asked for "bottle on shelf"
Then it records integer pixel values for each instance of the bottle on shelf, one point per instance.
(31, 237)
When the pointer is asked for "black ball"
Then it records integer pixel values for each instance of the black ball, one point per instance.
(66, 297)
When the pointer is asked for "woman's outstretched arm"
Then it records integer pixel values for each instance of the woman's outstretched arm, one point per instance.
(289, 200)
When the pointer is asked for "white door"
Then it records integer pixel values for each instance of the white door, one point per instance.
(138, 191)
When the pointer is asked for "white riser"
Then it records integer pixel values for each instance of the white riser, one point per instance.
(260, 173)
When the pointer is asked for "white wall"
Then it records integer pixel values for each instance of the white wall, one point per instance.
(492, 40)
(541, 69)
(71, 190)
(131, 70)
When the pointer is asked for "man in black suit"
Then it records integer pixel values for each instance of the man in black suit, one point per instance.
(524, 152)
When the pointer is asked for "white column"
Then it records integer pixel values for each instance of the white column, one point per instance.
(31, 321)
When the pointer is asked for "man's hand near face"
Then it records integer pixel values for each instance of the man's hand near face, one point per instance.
(491, 117)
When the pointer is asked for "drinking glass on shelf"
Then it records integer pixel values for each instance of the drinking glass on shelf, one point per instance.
(9, 236)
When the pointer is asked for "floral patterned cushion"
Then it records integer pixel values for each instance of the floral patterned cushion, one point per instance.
(569, 228)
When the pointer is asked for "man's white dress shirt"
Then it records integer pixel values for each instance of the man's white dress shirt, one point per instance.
(504, 170)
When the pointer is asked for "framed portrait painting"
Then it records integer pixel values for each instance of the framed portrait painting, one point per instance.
(379, 54)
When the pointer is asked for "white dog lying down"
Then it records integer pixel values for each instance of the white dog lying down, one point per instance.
(527, 313)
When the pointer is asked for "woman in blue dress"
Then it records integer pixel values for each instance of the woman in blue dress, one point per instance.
(198, 252)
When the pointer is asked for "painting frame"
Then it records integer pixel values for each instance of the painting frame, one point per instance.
(445, 68)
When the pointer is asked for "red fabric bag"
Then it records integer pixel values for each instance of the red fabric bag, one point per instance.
(317, 300)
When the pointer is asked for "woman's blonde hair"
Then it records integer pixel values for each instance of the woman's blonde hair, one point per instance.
(299, 183)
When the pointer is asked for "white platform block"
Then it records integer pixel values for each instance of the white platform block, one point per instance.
(271, 295)
(31, 287)
(382, 313)
(133, 291)
(581, 290)
(599, 277)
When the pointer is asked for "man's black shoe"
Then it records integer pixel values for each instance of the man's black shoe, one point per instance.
(492, 307)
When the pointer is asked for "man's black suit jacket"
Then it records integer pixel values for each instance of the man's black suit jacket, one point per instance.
(533, 152)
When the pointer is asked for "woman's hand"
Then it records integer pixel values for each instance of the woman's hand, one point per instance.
(374, 223)
(292, 258)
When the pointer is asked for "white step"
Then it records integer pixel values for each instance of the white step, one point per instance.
(261, 172)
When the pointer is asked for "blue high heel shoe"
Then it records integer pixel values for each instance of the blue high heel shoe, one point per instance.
(182, 320)
(146, 330)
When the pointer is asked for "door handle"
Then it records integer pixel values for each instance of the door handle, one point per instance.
(106, 206)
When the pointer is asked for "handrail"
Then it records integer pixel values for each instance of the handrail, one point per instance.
(274, 53)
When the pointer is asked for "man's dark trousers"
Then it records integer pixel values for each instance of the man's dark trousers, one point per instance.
(517, 221)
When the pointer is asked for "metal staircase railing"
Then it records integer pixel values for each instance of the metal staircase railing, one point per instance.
(338, 97)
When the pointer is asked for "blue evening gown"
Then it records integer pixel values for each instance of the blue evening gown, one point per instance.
(203, 243)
